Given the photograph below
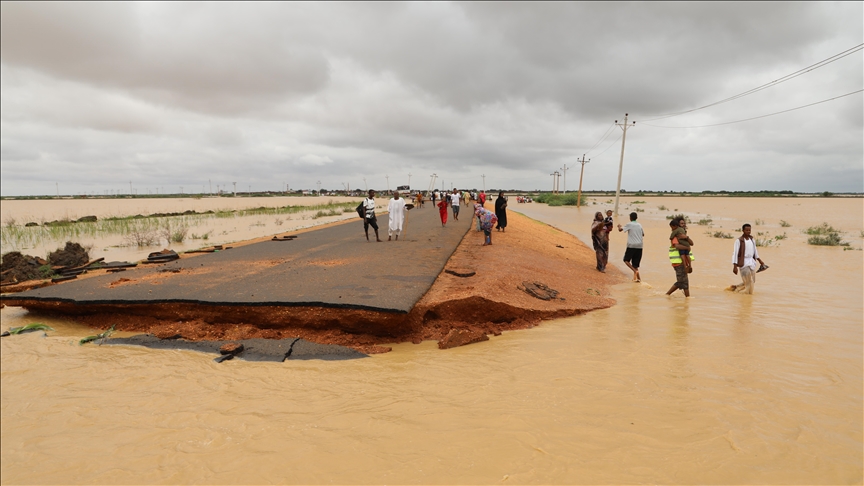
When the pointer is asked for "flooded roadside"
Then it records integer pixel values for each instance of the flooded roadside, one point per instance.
(721, 388)
(117, 236)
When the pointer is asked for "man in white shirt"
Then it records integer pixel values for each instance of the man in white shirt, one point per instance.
(454, 203)
(744, 257)
(633, 254)
(397, 216)
(369, 218)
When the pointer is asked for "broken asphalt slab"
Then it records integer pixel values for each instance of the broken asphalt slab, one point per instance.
(329, 267)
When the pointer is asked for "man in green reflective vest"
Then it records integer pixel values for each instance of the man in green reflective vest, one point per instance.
(682, 282)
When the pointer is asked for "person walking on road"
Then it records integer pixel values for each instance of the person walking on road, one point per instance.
(600, 240)
(744, 258)
(396, 207)
(442, 211)
(454, 202)
(682, 282)
(501, 211)
(369, 218)
(633, 254)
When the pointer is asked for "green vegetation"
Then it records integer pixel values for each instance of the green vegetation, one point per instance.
(98, 337)
(719, 234)
(831, 239)
(705, 221)
(784, 224)
(638, 202)
(663, 208)
(823, 229)
(561, 199)
(35, 326)
(139, 230)
(824, 235)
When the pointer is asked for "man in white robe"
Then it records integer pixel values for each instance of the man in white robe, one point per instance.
(397, 216)
(744, 258)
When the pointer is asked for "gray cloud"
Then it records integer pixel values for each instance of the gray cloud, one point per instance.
(97, 94)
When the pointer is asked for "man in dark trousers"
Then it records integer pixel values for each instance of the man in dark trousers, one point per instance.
(369, 218)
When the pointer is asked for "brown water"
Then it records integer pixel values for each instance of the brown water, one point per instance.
(720, 388)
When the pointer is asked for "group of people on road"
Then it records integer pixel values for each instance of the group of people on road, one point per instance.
(398, 206)
(744, 259)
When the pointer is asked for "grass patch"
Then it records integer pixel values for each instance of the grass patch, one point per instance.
(784, 224)
(823, 229)
(831, 239)
(705, 221)
(720, 234)
(561, 199)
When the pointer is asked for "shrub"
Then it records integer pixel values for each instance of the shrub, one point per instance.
(831, 239)
(823, 229)
(141, 237)
(784, 224)
(561, 199)
(720, 234)
(705, 221)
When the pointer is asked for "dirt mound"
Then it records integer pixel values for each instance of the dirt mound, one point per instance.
(72, 255)
(17, 267)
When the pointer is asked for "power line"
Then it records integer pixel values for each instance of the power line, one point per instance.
(761, 116)
(777, 81)
(610, 146)
(605, 134)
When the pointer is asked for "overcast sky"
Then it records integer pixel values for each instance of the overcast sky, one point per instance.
(95, 95)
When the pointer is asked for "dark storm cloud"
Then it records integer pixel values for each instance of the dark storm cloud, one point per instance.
(95, 94)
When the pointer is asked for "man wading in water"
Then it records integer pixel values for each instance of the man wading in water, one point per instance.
(369, 218)
(744, 257)
(681, 282)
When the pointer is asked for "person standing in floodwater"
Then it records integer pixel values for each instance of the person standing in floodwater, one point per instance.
(744, 257)
(682, 282)
(369, 218)
(633, 254)
(600, 240)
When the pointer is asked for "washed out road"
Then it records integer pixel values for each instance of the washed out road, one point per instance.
(331, 267)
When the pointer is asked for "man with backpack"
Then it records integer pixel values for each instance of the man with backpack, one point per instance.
(366, 210)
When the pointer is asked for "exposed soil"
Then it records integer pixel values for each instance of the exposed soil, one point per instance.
(488, 290)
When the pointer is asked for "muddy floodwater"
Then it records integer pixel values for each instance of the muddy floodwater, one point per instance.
(721, 388)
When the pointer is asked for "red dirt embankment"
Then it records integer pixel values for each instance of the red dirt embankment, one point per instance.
(491, 300)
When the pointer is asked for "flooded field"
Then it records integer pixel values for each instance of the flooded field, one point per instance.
(721, 388)
(117, 235)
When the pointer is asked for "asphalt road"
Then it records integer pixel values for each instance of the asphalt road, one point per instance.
(332, 267)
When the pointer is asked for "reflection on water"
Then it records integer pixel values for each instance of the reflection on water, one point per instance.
(718, 388)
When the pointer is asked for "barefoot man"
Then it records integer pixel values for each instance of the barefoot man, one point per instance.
(397, 216)
(633, 254)
(744, 257)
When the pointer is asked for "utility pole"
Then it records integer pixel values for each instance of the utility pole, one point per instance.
(565, 177)
(211, 186)
(624, 126)
(388, 182)
(365, 185)
(484, 181)
(130, 188)
(319, 187)
(582, 173)
(235, 189)
(409, 181)
(58, 188)
(555, 176)
(432, 182)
